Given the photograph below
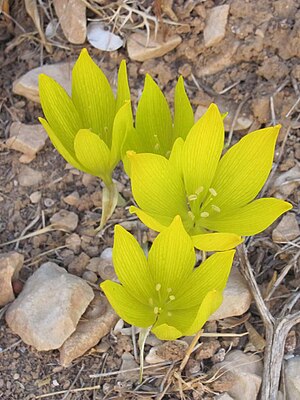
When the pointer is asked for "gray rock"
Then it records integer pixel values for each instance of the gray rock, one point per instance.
(73, 242)
(139, 50)
(96, 323)
(64, 219)
(28, 139)
(242, 377)
(29, 177)
(78, 265)
(236, 297)
(215, 25)
(72, 199)
(90, 276)
(128, 363)
(292, 378)
(105, 267)
(287, 229)
(48, 309)
(27, 85)
(10, 266)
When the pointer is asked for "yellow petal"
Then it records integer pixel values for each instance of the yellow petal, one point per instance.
(166, 332)
(209, 305)
(127, 307)
(67, 153)
(155, 187)
(153, 119)
(122, 126)
(183, 112)
(201, 153)
(59, 111)
(216, 241)
(211, 275)
(93, 153)
(93, 97)
(250, 219)
(171, 258)
(244, 169)
(131, 266)
(156, 222)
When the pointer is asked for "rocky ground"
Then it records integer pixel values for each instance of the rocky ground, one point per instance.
(242, 55)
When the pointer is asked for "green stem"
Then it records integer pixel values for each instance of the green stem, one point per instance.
(109, 202)
(142, 339)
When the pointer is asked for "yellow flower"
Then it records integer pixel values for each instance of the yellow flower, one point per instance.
(89, 128)
(165, 291)
(214, 195)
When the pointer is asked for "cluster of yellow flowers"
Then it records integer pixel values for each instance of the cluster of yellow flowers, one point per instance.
(183, 184)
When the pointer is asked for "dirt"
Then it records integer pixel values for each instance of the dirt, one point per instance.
(256, 64)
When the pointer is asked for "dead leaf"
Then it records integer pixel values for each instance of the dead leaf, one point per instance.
(32, 11)
(255, 338)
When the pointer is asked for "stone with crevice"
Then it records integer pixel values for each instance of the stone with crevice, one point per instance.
(97, 322)
(49, 307)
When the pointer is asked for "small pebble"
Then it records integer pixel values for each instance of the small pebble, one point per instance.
(35, 197)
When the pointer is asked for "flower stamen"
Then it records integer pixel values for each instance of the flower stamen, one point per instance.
(213, 192)
(216, 208)
(204, 214)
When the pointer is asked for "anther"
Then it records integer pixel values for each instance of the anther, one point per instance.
(150, 301)
(158, 287)
(156, 310)
(191, 215)
(192, 197)
(212, 192)
(172, 297)
(169, 290)
(169, 314)
(216, 208)
(199, 190)
(204, 214)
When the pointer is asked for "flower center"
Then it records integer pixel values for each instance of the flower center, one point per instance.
(163, 299)
(199, 209)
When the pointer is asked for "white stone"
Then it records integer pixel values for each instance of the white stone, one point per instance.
(287, 229)
(10, 266)
(138, 49)
(27, 85)
(292, 378)
(49, 307)
(72, 18)
(215, 25)
(236, 297)
(29, 177)
(65, 220)
(97, 322)
(27, 139)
